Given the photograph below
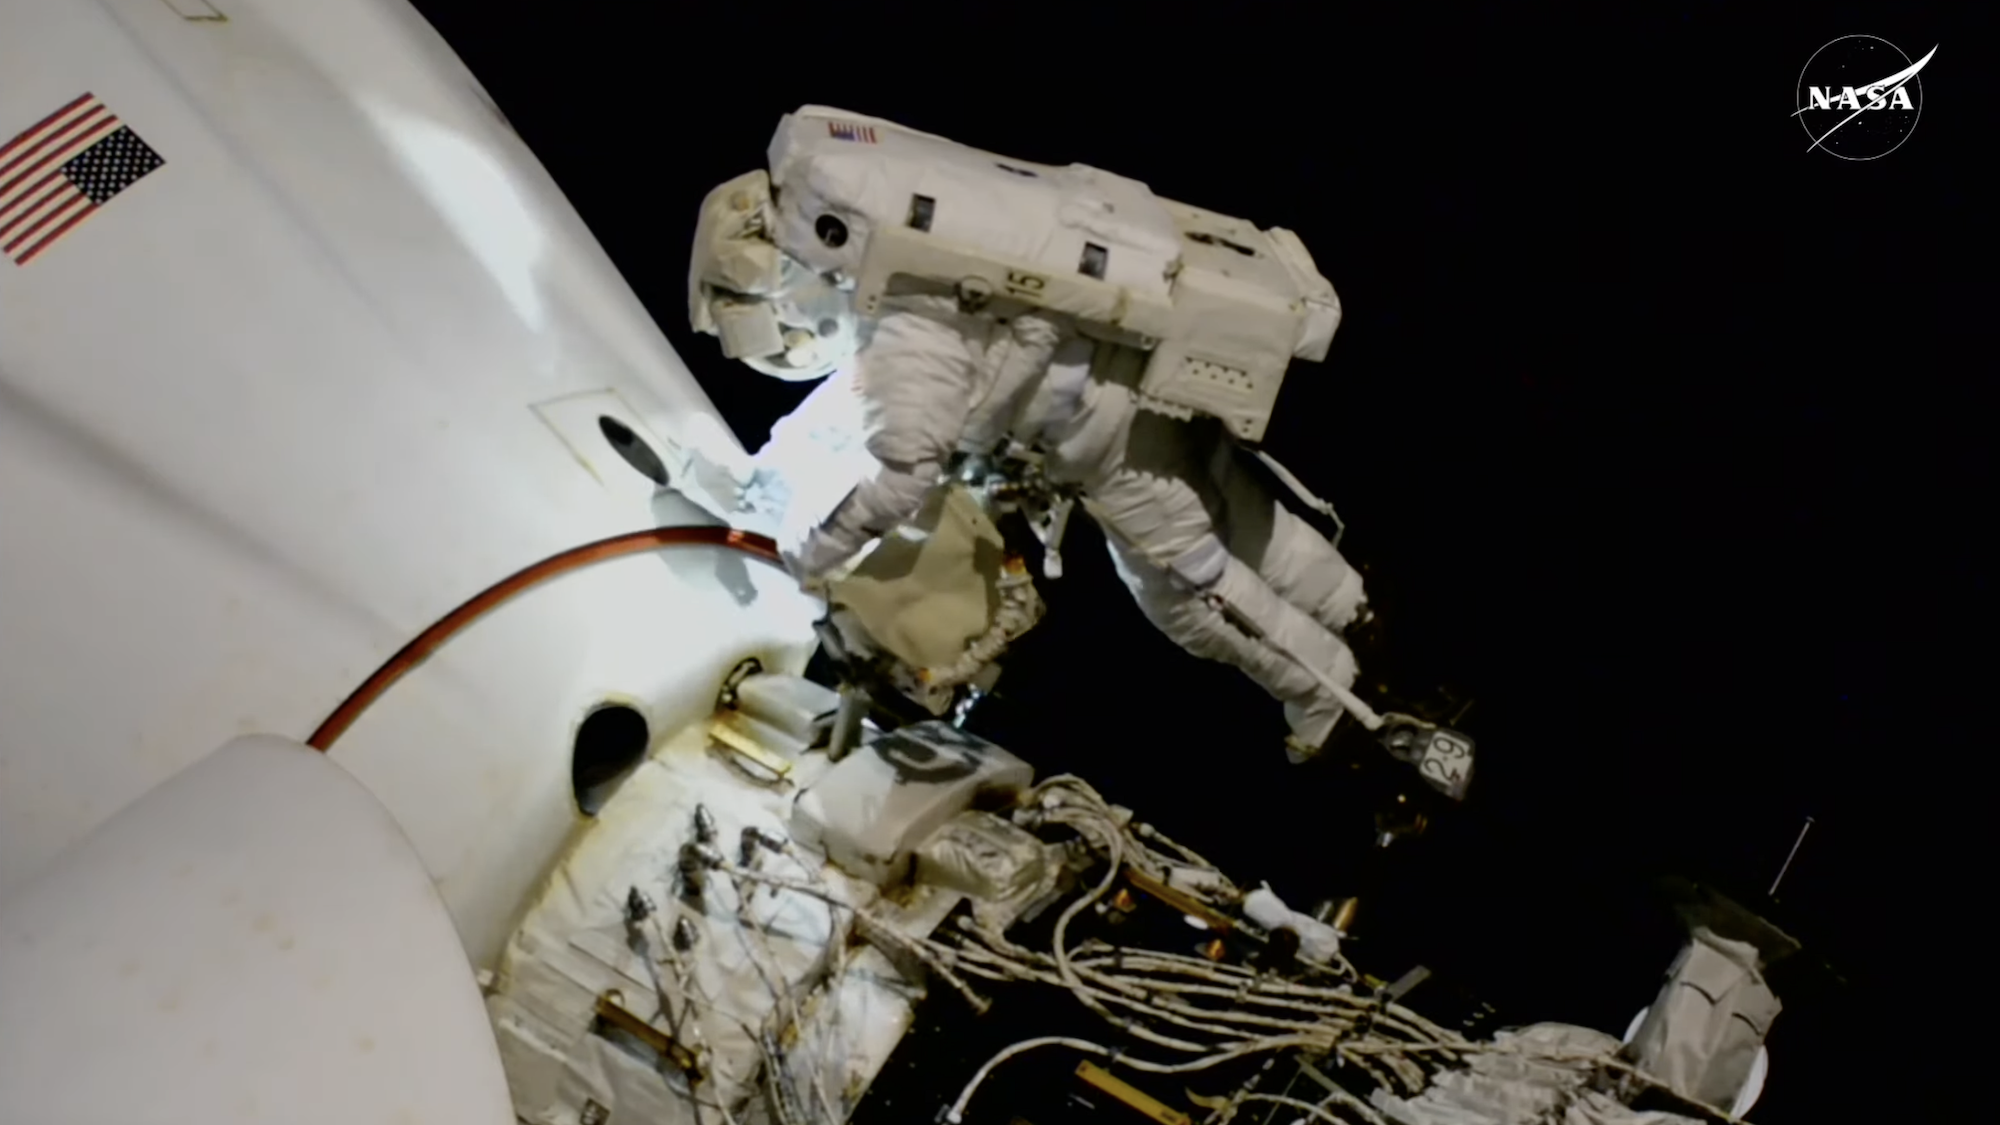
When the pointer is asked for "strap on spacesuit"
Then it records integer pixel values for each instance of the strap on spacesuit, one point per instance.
(1304, 494)
(1189, 572)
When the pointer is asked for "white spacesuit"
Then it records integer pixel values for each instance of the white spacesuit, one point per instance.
(1212, 557)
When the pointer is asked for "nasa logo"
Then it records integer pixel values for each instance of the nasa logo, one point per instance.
(1859, 98)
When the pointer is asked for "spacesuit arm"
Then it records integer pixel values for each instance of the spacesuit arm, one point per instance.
(914, 376)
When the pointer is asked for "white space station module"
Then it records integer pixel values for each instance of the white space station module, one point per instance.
(384, 735)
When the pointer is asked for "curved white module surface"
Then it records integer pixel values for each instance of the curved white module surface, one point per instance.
(333, 366)
(253, 941)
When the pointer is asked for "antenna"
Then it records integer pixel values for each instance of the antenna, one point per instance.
(1793, 854)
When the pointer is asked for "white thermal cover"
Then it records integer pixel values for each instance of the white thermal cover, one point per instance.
(252, 941)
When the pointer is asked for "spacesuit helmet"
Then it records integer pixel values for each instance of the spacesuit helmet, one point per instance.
(769, 309)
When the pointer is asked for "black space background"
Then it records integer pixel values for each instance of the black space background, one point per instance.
(1661, 438)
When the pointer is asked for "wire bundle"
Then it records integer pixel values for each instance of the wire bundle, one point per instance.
(1206, 1012)
(1217, 1013)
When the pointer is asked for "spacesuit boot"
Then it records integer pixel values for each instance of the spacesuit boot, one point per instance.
(1297, 750)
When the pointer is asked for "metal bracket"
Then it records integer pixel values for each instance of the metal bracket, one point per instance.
(611, 1013)
(765, 766)
(1185, 903)
(1401, 988)
(1131, 1095)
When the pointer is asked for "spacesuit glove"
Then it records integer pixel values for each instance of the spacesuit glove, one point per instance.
(763, 498)
(814, 559)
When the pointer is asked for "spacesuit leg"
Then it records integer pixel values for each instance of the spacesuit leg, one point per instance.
(1286, 550)
(1191, 622)
(1160, 501)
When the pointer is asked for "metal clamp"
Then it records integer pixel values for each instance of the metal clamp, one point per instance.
(612, 1013)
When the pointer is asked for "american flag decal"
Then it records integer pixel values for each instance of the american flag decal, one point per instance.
(842, 131)
(59, 172)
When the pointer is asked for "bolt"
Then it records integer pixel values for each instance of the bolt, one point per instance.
(704, 824)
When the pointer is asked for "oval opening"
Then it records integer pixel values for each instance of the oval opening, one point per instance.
(633, 449)
(609, 742)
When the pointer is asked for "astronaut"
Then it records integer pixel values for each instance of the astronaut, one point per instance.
(921, 369)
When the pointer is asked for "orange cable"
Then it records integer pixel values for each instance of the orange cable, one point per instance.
(477, 606)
